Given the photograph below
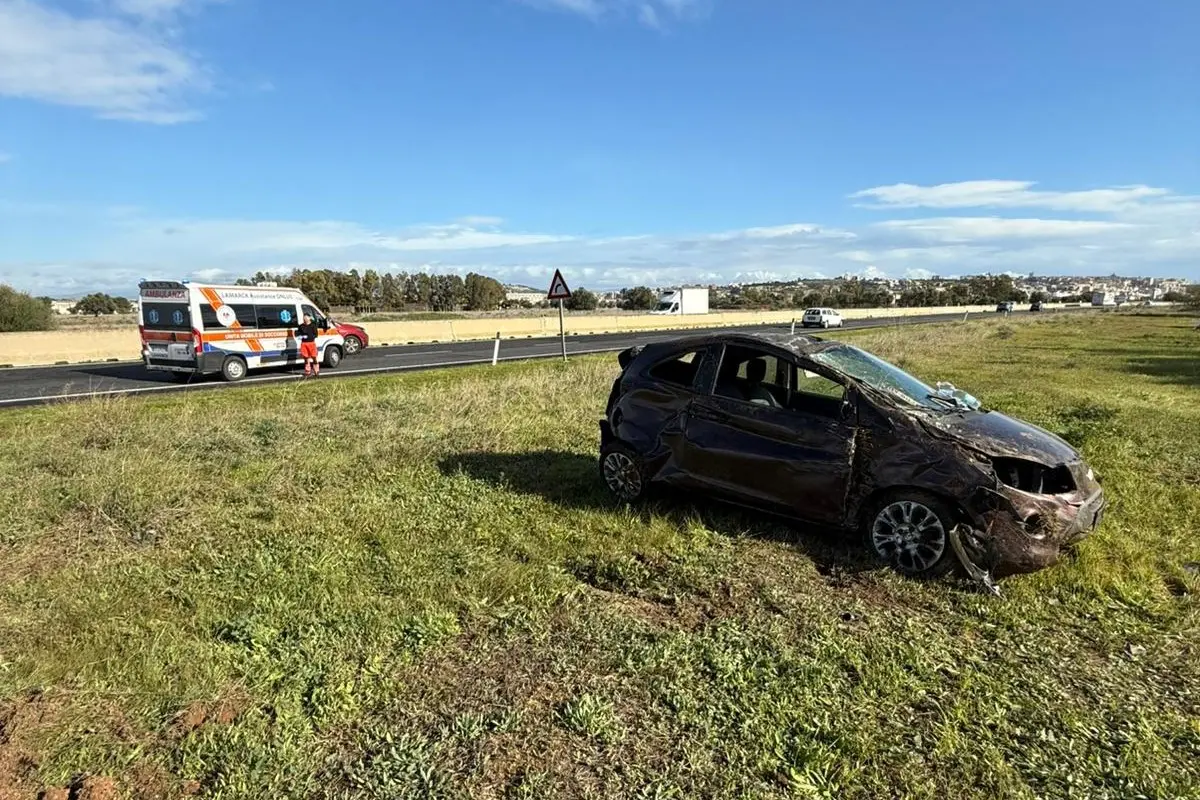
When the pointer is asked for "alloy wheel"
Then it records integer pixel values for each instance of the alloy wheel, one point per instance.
(622, 475)
(909, 534)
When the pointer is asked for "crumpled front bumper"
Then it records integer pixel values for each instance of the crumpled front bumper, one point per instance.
(1018, 533)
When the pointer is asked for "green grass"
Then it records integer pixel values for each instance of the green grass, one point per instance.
(414, 586)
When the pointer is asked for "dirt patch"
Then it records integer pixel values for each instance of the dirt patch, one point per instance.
(150, 782)
(96, 788)
(202, 712)
(189, 719)
(655, 614)
(18, 759)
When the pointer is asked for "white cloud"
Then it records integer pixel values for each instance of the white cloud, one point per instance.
(211, 275)
(116, 67)
(1005, 194)
(481, 221)
(648, 16)
(651, 13)
(155, 9)
(969, 229)
(1158, 235)
(918, 274)
(245, 238)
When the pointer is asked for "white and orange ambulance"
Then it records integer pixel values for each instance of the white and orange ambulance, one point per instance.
(199, 329)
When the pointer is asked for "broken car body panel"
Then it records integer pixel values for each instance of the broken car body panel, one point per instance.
(1023, 493)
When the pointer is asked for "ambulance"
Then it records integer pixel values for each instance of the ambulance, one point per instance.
(199, 329)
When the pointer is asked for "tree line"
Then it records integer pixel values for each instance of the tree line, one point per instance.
(856, 293)
(372, 291)
(639, 298)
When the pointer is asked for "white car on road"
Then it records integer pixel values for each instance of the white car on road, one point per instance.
(821, 318)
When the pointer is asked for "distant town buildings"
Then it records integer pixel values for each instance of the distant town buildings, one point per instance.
(523, 294)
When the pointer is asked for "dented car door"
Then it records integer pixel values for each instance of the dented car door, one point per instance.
(793, 459)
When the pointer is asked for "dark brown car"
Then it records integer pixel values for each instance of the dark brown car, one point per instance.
(825, 432)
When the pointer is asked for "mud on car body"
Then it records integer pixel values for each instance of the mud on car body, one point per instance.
(825, 432)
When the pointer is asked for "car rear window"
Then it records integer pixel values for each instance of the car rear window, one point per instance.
(678, 369)
(167, 316)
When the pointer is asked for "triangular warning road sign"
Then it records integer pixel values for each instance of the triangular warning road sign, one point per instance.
(558, 288)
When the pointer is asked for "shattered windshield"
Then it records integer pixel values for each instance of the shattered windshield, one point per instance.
(879, 374)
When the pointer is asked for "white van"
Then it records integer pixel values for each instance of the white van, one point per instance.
(199, 329)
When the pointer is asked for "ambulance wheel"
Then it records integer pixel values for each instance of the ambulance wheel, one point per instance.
(333, 356)
(233, 368)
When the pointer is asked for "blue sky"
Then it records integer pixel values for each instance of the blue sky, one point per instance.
(626, 141)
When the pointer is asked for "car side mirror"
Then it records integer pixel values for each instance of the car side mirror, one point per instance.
(846, 409)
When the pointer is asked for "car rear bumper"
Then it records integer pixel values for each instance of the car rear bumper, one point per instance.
(606, 432)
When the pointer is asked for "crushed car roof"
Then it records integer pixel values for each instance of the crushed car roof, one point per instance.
(798, 343)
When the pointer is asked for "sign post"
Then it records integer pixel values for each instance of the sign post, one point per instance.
(560, 292)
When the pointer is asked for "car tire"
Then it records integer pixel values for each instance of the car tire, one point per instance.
(910, 531)
(623, 472)
(333, 356)
(353, 345)
(233, 368)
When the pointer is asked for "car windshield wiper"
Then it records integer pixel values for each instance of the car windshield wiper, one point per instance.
(950, 402)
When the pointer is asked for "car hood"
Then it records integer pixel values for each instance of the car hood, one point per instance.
(350, 327)
(1000, 435)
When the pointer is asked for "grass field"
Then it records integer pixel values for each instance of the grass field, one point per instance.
(414, 586)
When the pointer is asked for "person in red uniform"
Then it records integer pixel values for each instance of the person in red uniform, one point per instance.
(306, 332)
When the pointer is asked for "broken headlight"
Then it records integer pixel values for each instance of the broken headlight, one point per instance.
(1032, 477)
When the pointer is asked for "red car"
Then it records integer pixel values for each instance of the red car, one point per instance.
(355, 336)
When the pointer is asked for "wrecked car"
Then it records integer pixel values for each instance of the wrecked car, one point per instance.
(827, 433)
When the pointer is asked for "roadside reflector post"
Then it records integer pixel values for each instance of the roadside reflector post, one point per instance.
(793, 325)
(965, 313)
(496, 350)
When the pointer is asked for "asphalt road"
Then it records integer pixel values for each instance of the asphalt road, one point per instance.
(35, 385)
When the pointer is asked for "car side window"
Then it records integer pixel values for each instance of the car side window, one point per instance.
(813, 393)
(244, 315)
(753, 376)
(679, 369)
(276, 316)
(312, 312)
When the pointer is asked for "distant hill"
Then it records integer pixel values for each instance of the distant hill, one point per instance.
(517, 287)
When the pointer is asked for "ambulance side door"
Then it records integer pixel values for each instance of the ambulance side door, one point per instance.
(276, 325)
